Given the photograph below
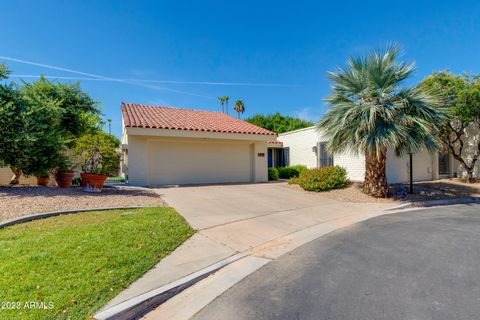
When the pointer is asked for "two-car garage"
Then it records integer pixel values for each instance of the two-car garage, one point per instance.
(183, 161)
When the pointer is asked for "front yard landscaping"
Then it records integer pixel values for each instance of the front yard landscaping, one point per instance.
(18, 201)
(74, 264)
(444, 189)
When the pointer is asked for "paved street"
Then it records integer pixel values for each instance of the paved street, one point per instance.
(417, 265)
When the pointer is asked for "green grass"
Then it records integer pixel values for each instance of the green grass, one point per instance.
(115, 179)
(81, 261)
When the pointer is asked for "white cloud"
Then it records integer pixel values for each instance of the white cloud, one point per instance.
(312, 114)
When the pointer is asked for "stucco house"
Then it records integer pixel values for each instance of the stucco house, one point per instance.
(307, 147)
(170, 146)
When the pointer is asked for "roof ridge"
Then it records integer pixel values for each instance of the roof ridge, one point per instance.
(172, 107)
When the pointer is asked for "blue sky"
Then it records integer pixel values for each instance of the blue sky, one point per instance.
(290, 44)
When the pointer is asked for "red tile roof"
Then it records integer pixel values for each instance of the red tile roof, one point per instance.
(142, 116)
(274, 141)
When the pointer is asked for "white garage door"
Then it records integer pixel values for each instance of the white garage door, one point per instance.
(187, 162)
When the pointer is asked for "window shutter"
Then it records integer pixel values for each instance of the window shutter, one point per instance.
(286, 156)
(324, 158)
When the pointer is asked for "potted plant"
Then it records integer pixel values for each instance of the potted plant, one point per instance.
(43, 177)
(99, 157)
(66, 170)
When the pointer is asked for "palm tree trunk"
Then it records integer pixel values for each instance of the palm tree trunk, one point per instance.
(375, 175)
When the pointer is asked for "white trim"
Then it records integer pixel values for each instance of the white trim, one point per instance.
(196, 134)
(295, 131)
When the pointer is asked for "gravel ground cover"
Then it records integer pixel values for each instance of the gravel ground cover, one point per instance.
(443, 189)
(350, 193)
(18, 201)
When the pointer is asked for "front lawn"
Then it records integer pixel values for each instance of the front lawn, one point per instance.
(72, 265)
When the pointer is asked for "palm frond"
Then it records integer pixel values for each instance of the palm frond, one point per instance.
(371, 112)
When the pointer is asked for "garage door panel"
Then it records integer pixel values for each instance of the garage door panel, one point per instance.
(199, 162)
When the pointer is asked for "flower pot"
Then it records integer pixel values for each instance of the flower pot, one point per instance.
(43, 181)
(64, 178)
(92, 182)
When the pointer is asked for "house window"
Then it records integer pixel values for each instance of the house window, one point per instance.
(278, 157)
(324, 158)
(443, 163)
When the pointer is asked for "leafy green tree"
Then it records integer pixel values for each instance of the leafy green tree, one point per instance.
(371, 112)
(239, 107)
(14, 134)
(278, 123)
(461, 96)
(80, 114)
(42, 121)
(98, 153)
(39, 121)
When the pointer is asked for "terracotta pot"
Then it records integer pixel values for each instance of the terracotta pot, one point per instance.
(43, 181)
(64, 178)
(92, 182)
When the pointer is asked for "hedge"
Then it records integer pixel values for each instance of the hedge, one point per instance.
(290, 171)
(321, 179)
(272, 174)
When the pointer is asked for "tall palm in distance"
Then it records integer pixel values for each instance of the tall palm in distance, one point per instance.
(222, 102)
(371, 113)
(239, 107)
(226, 103)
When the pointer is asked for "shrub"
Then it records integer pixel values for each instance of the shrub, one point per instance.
(272, 174)
(321, 179)
(97, 153)
(290, 171)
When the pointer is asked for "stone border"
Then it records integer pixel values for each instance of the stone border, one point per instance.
(38, 216)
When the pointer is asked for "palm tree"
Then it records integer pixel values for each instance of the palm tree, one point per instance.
(222, 101)
(226, 102)
(372, 113)
(239, 107)
(109, 125)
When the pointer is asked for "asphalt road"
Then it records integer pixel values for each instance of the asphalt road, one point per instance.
(416, 265)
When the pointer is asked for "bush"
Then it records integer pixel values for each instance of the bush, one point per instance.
(98, 154)
(321, 179)
(272, 174)
(290, 171)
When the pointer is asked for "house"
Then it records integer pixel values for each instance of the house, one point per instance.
(170, 146)
(307, 147)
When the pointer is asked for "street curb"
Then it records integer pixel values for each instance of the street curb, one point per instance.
(138, 306)
(434, 203)
(38, 216)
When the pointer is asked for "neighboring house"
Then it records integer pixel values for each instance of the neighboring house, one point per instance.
(307, 146)
(170, 146)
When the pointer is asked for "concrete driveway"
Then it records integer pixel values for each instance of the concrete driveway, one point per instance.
(244, 216)
(417, 265)
(265, 220)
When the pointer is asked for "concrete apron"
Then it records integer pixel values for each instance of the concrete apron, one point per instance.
(239, 225)
(187, 303)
